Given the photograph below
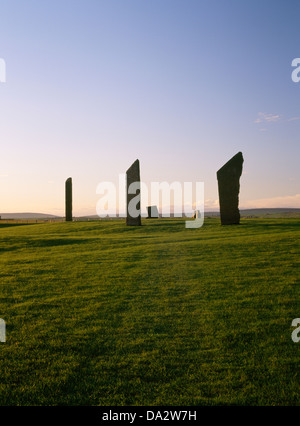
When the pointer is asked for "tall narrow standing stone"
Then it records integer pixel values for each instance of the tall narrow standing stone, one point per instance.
(133, 195)
(69, 200)
(229, 187)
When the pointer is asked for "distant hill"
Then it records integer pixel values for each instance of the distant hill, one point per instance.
(275, 212)
(28, 216)
(278, 212)
(284, 212)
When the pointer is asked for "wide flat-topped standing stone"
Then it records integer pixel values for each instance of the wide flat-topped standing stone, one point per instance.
(229, 187)
(69, 200)
(133, 194)
(152, 212)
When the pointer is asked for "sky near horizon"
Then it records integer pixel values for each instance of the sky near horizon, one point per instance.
(182, 85)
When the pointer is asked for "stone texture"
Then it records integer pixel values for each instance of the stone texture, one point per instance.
(133, 176)
(229, 187)
(69, 200)
(152, 212)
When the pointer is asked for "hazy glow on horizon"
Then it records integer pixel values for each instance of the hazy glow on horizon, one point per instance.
(182, 85)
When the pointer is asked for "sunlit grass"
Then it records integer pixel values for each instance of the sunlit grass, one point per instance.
(98, 313)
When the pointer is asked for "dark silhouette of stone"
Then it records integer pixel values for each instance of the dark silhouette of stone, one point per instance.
(152, 212)
(133, 194)
(229, 187)
(69, 200)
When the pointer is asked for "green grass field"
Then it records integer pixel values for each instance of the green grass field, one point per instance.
(98, 313)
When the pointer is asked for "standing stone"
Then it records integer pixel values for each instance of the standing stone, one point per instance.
(133, 193)
(69, 200)
(229, 187)
(152, 212)
(197, 214)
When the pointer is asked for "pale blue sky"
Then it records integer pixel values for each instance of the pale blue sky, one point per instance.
(183, 85)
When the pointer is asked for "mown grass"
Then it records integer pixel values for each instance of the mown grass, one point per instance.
(98, 313)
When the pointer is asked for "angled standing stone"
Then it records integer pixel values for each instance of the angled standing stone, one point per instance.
(229, 187)
(69, 200)
(133, 195)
